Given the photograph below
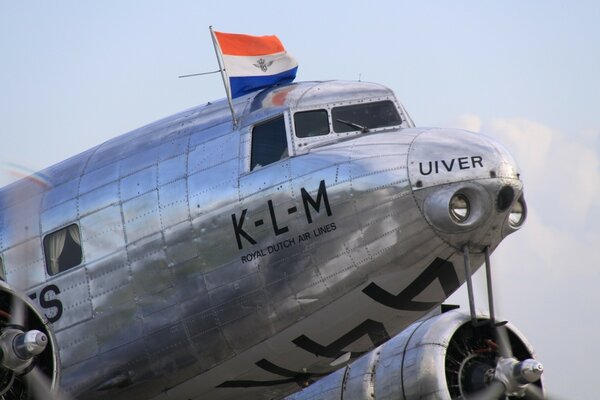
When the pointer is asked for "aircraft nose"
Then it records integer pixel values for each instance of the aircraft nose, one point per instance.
(467, 185)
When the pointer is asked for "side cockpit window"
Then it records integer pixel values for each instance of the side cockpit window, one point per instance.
(63, 249)
(366, 115)
(269, 143)
(311, 123)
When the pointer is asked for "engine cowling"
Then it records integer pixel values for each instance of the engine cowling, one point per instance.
(29, 358)
(443, 357)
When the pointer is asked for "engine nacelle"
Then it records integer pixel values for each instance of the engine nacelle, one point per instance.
(443, 357)
(28, 349)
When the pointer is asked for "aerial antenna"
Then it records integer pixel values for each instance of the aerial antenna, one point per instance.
(359, 76)
(200, 73)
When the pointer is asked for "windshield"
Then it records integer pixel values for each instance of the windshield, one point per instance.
(367, 116)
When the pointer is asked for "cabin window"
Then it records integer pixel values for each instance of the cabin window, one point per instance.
(367, 115)
(269, 143)
(311, 123)
(63, 249)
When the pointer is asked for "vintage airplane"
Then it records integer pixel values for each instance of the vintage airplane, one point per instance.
(306, 244)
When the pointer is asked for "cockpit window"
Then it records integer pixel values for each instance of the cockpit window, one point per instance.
(269, 143)
(365, 116)
(311, 123)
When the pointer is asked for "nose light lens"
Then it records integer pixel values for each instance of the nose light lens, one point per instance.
(459, 207)
(517, 213)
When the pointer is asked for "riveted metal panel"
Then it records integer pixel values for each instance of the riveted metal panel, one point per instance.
(235, 331)
(159, 310)
(180, 248)
(221, 149)
(274, 179)
(360, 378)
(191, 286)
(99, 198)
(197, 159)
(139, 160)
(102, 233)
(60, 194)
(211, 346)
(98, 177)
(138, 183)
(141, 216)
(176, 145)
(120, 327)
(149, 268)
(108, 275)
(75, 347)
(210, 131)
(212, 188)
(59, 216)
(24, 264)
(172, 169)
(21, 221)
(170, 349)
(173, 204)
(74, 296)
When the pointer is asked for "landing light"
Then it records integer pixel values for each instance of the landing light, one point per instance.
(459, 207)
(517, 213)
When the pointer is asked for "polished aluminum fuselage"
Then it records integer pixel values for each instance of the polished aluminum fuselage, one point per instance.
(167, 305)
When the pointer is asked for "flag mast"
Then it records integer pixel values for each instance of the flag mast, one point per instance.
(223, 74)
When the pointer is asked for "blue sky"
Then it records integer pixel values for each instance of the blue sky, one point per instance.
(74, 74)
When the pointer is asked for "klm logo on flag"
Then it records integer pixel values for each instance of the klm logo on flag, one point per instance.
(263, 64)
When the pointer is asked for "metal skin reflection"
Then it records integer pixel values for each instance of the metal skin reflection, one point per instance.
(176, 299)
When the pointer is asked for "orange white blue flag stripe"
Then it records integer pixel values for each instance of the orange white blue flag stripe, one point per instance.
(255, 62)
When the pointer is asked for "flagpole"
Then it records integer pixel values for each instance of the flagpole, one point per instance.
(223, 74)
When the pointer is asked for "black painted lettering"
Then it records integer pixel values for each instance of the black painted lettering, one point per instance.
(278, 231)
(239, 231)
(463, 163)
(51, 303)
(421, 169)
(448, 167)
(316, 205)
(477, 160)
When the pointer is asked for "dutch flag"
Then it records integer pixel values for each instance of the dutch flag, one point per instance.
(254, 62)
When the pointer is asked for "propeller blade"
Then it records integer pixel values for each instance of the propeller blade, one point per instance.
(17, 311)
(533, 392)
(492, 392)
(504, 346)
(41, 387)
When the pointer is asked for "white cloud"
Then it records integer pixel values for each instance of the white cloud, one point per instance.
(546, 274)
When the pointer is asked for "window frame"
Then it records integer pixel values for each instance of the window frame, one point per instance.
(248, 137)
(329, 126)
(46, 254)
(301, 145)
(357, 105)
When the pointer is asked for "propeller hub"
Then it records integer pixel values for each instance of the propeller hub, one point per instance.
(18, 348)
(516, 375)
